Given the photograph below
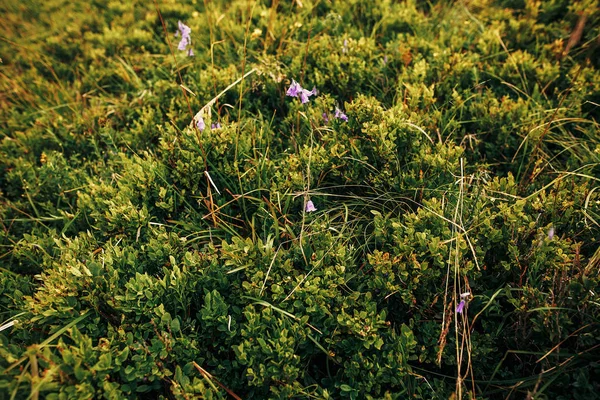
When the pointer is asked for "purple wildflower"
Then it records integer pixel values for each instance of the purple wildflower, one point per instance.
(186, 40)
(339, 114)
(200, 124)
(325, 117)
(310, 207)
(295, 90)
(215, 125)
(183, 43)
(305, 94)
(551, 233)
(460, 307)
(184, 30)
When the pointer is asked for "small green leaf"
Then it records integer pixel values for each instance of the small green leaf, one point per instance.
(346, 388)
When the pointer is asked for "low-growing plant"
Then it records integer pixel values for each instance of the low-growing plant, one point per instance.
(309, 199)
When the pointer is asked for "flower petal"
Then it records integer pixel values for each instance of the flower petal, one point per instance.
(304, 96)
(184, 29)
(183, 43)
(294, 89)
(200, 124)
(339, 114)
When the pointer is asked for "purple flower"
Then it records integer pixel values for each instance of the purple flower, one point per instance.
(183, 29)
(215, 125)
(305, 94)
(460, 307)
(183, 43)
(200, 124)
(551, 233)
(325, 117)
(186, 40)
(295, 90)
(310, 207)
(339, 114)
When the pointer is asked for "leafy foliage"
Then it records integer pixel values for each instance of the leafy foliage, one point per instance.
(145, 258)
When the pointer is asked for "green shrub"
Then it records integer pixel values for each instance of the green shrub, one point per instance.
(145, 258)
